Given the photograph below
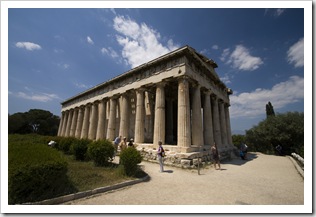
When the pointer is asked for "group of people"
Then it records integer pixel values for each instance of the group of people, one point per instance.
(214, 151)
(122, 143)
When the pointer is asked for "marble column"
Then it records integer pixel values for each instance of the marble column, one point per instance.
(93, 121)
(169, 119)
(140, 117)
(69, 123)
(197, 127)
(159, 125)
(101, 120)
(111, 125)
(229, 133)
(74, 122)
(61, 124)
(216, 122)
(149, 118)
(208, 120)
(184, 128)
(223, 123)
(85, 125)
(63, 132)
(124, 120)
(79, 122)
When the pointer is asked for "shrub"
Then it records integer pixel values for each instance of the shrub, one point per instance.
(129, 158)
(65, 144)
(36, 171)
(79, 149)
(101, 152)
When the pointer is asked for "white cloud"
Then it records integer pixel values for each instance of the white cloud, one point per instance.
(215, 47)
(109, 51)
(295, 54)
(140, 43)
(89, 40)
(279, 11)
(41, 97)
(28, 46)
(225, 54)
(253, 103)
(82, 86)
(241, 59)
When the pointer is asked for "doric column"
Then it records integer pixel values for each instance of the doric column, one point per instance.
(93, 121)
(216, 122)
(74, 122)
(159, 125)
(184, 129)
(140, 117)
(85, 125)
(197, 128)
(124, 120)
(169, 119)
(223, 123)
(101, 120)
(229, 132)
(63, 131)
(208, 120)
(149, 118)
(79, 122)
(69, 122)
(60, 128)
(111, 125)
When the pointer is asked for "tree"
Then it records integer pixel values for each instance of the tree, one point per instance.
(34, 121)
(285, 129)
(269, 110)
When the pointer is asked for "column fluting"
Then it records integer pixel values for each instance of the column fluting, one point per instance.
(159, 124)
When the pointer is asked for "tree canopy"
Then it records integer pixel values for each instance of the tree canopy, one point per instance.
(34, 121)
(285, 129)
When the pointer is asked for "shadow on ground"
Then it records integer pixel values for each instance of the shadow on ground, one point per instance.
(238, 161)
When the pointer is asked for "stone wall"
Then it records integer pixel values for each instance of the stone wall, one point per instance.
(185, 160)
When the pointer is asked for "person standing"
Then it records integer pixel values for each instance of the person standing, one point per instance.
(116, 144)
(123, 144)
(215, 156)
(160, 154)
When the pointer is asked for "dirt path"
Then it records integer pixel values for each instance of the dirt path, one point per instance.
(262, 180)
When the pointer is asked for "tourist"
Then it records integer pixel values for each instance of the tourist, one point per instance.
(215, 156)
(160, 154)
(116, 143)
(123, 144)
(130, 144)
(244, 150)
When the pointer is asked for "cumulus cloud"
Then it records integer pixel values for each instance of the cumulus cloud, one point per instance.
(241, 59)
(28, 46)
(252, 104)
(215, 47)
(140, 42)
(41, 97)
(295, 54)
(89, 40)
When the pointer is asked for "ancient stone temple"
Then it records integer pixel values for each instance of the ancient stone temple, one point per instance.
(177, 98)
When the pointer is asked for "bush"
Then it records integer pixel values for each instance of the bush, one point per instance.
(36, 171)
(101, 152)
(129, 158)
(65, 144)
(79, 149)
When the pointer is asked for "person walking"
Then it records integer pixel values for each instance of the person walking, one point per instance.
(160, 154)
(215, 156)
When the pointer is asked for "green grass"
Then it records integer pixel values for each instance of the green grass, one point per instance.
(85, 176)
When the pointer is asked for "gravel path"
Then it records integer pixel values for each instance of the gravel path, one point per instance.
(262, 180)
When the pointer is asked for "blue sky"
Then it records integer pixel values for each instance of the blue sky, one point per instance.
(54, 54)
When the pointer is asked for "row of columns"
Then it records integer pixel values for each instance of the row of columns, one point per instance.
(193, 127)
